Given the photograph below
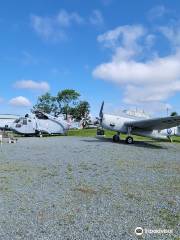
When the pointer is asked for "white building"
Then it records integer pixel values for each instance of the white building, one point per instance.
(137, 113)
(6, 120)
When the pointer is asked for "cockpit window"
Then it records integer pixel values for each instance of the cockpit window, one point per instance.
(17, 121)
(40, 115)
(24, 121)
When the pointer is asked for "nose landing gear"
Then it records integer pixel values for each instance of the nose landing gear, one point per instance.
(100, 132)
(116, 137)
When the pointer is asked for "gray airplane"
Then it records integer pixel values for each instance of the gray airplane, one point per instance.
(39, 123)
(157, 128)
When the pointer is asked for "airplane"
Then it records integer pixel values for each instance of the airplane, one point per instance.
(157, 128)
(39, 123)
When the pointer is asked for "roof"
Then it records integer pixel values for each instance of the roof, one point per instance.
(9, 116)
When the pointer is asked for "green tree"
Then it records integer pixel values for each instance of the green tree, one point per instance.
(67, 99)
(46, 103)
(173, 114)
(81, 111)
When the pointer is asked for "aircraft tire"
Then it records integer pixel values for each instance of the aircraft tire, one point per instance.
(116, 138)
(129, 140)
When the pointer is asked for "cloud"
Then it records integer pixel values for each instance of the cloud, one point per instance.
(106, 2)
(145, 81)
(20, 102)
(46, 28)
(154, 72)
(157, 12)
(28, 59)
(54, 27)
(32, 85)
(96, 18)
(147, 94)
(65, 19)
(123, 41)
(128, 34)
(172, 33)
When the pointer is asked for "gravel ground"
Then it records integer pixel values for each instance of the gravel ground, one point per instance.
(88, 188)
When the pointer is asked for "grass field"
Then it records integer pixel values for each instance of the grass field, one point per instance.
(109, 134)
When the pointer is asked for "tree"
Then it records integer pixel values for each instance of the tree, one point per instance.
(46, 103)
(81, 110)
(173, 114)
(66, 99)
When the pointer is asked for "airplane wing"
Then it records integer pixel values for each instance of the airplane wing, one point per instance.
(155, 123)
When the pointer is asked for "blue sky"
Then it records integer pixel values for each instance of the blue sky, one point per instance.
(123, 52)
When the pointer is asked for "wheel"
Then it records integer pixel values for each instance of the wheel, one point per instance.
(100, 132)
(116, 138)
(129, 140)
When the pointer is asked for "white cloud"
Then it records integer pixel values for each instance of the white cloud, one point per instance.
(157, 12)
(152, 93)
(172, 33)
(96, 18)
(54, 27)
(32, 85)
(145, 81)
(127, 34)
(123, 41)
(46, 28)
(106, 2)
(28, 59)
(157, 71)
(65, 19)
(20, 102)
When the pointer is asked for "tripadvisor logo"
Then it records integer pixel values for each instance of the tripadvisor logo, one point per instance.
(139, 231)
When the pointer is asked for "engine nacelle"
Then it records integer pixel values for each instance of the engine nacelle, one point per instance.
(177, 131)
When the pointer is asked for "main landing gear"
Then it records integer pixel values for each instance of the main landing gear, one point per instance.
(128, 140)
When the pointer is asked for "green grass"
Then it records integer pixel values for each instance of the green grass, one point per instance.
(176, 139)
(169, 217)
(109, 134)
(82, 132)
(92, 133)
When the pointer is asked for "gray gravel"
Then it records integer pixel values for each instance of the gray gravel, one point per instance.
(88, 188)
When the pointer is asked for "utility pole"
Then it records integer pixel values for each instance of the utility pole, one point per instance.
(167, 111)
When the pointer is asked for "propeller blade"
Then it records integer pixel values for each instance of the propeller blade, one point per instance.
(101, 111)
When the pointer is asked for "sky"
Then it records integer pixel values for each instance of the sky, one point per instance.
(124, 52)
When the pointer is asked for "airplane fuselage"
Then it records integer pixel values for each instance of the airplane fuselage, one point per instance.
(118, 124)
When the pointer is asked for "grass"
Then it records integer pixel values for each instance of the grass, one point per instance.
(92, 133)
(28, 173)
(169, 217)
(109, 134)
(86, 190)
(89, 190)
(82, 132)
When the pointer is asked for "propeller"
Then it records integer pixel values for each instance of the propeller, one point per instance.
(101, 112)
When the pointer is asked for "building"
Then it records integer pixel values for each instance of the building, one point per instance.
(6, 120)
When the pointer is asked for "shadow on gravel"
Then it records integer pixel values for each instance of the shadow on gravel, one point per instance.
(147, 144)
